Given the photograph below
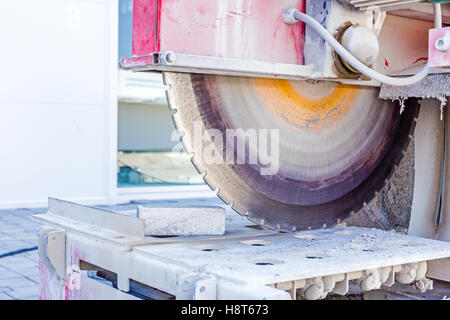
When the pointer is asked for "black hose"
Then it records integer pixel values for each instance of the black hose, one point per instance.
(13, 253)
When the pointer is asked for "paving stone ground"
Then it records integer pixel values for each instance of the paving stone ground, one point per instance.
(19, 274)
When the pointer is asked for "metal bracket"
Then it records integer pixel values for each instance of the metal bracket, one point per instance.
(170, 61)
(52, 250)
(196, 287)
(175, 62)
(205, 289)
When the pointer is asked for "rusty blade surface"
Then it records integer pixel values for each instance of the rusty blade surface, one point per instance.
(337, 144)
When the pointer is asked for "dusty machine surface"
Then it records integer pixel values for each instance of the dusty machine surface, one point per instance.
(302, 115)
(230, 67)
(88, 253)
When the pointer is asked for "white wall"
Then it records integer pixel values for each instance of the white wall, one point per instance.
(58, 101)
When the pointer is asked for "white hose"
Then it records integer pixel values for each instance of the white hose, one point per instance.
(355, 63)
(437, 15)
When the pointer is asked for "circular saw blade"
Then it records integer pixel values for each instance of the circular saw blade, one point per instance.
(336, 146)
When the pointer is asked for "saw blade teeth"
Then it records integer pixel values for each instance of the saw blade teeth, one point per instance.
(197, 164)
(168, 90)
(187, 146)
(166, 79)
(226, 199)
(241, 209)
(180, 133)
(324, 226)
(212, 100)
(212, 185)
(175, 121)
(167, 86)
(253, 219)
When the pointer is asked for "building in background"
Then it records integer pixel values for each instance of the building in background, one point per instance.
(150, 152)
(70, 120)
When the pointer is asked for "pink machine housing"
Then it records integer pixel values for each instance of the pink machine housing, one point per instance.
(240, 29)
(254, 30)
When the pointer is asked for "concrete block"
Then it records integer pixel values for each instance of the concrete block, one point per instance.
(195, 220)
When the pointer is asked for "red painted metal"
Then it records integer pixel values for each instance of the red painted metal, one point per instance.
(145, 26)
(242, 29)
(403, 44)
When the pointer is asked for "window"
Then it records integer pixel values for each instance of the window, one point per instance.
(150, 152)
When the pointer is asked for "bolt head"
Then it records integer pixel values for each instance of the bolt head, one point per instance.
(170, 57)
(443, 44)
